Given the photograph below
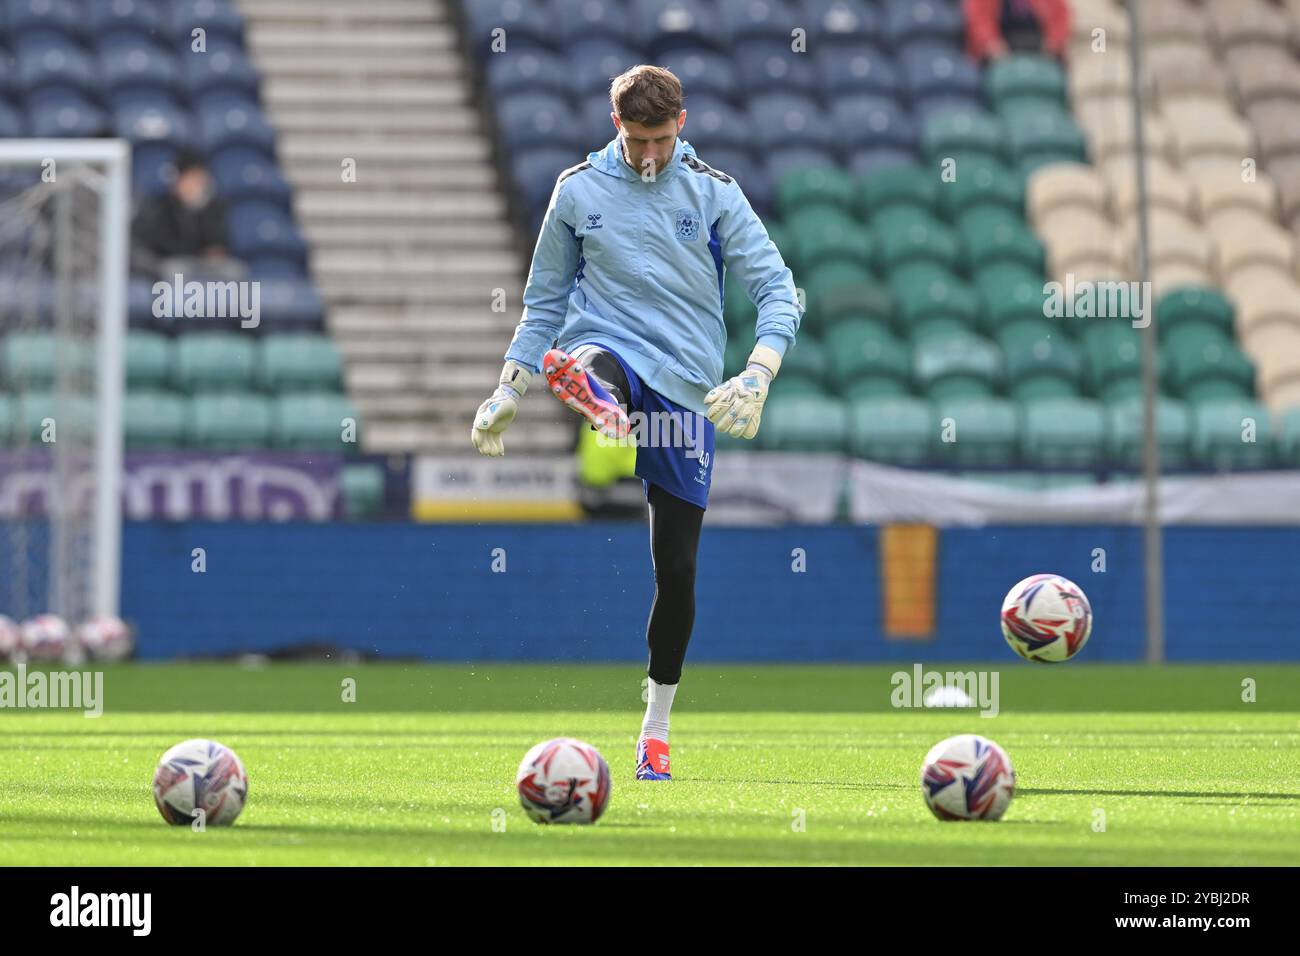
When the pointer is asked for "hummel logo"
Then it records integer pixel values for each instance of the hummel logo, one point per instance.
(593, 220)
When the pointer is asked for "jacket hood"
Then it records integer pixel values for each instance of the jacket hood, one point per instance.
(610, 159)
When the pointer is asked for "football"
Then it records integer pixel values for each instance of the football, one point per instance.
(967, 777)
(1046, 618)
(11, 640)
(45, 637)
(563, 781)
(105, 638)
(200, 774)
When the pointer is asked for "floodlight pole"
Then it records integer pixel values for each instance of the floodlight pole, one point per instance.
(1152, 543)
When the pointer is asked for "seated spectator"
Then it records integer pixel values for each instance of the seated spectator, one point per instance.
(184, 229)
(995, 28)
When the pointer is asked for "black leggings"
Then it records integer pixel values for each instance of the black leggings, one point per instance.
(674, 539)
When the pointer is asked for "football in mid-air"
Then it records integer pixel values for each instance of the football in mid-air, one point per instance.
(1046, 618)
(200, 774)
(967, 777)
(563, 781)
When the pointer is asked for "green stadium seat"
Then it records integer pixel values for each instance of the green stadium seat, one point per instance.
(8, 418)
(991, 236)
(738, 310)
(952, 366)
(830, 291)
(214, 362)
(68, 415)
(148, 360)
(154, 419)
(313, 421)
(802, 189)
(1063, 433)
(300, 362)
(228, 421)
(1029, 165)
(1112, 352)
(849, 300)
(805, 360)
(1008, 292)
(963, 135)
(922, 240)
(1024, 80)
(1288, 438)
(985, 431)
(32, 359)
(926, 290)
(822, 234)
(736, 354)
(895, 430)
(1193, 305)
(908, 186)
(980, 185)
(1220, 429)
(859, 356)
(803, 423)
(1041, 360)
(1124, 435)
(362, 487)
(1205, 363)
(1052, 135)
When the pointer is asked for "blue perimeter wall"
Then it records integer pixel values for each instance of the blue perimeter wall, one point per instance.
(582, 592)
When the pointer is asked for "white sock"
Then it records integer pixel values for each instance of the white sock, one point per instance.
(655, 725)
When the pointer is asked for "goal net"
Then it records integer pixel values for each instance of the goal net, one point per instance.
(64, 233)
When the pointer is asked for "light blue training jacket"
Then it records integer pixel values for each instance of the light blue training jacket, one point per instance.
(640, 266)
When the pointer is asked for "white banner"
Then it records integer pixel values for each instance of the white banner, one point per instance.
(766, 488)
(475, 488)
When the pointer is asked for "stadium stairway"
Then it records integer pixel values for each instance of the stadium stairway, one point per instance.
(407, 254)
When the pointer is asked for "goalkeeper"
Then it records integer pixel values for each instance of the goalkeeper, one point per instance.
(623, 313)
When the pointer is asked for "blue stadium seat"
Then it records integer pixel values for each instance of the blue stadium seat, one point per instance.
(870, 122)
(841, 24)
(141, 18)
(25, 20)
(244, 172)
(529, 71)
(9, 89)
(908, 20)
(750, 172)
(132, 62)
(758, 20)
(786, 119)
(56, 63)
(155, 122)
(581, 20)
(661, 27)
(64, 112)
(223, 67)
(535, 174)
(139, 304)
(289, 304)
(259, 230)
(594, 123)
(234, 121)
(932, 106)
(592, 63)
(857, 70)
(713, 123)
(521, 24)
(533, 120)
(219, 20)
(765, 66)
(704, 72)
(152, 169)
(13, 124)
(866, 163)
(930, 69)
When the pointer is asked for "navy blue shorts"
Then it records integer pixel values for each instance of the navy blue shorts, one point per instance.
(674, 444)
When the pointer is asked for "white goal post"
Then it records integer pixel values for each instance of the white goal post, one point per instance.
(66, 184)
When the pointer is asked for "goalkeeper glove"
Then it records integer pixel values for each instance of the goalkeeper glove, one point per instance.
(736, 406)
(496, 414)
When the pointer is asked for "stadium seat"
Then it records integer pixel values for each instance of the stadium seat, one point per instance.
(963, 134)
(526, 25)
(984, 432)
(361, 485)
(906, 21)
(932, 71)
(259, 229)
(860, 356)
(125, 18)
(1193, 306)
(1063, 433)
(219, 20)
(32, 360)
(1009, 292)
(224, 67)
(927, 291)
(824, 284)
(663, 27)
(1124, 435)
(907, 185)
(1232, 433)
(149, 360)
(230, 421)
(704, 72)
(822, 235)
(234, 121)
(245, 173)
(1024, 80)
(137, 63)
(803, 189)
(316, 420)
(771, 66)
(56, 64)
(1112, 354)
(857, 71)
(803, 423)
(950, 366)
(979, 185)
(214, 361)
(581, 20)
(530, 71)
(299, 362)
(154, 419)
(993, 235)
(781, 120)
(891, 429)
(1041, 361)
(907, 238)
(1204, 363)
(873, 123)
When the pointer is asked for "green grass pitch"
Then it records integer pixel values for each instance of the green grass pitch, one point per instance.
(420, 769)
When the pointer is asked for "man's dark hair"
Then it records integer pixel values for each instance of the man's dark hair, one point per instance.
(649, 95)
